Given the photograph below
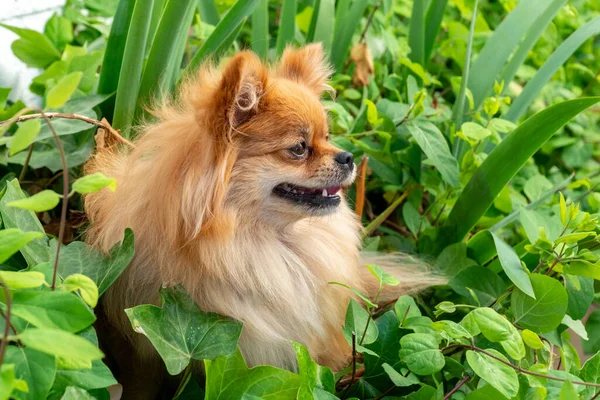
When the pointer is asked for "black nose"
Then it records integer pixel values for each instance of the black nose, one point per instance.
(345, 158)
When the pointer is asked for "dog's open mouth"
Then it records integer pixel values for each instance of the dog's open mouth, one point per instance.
(318, 197)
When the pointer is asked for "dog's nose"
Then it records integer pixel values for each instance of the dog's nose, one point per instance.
(345, 158)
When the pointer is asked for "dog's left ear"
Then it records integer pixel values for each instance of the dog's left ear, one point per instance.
(306, 65)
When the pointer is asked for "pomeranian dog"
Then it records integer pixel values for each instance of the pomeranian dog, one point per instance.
(237, 193)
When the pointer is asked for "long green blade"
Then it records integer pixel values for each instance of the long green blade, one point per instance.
(133, 62)
(323, 20)
(416, 33)
(157, 12)
(287, 25)
(174, 21)
(504, 162)
(208, 12)
(433, 23)
(558, 58)
(501, 45)
(529, 41)
(260, 29)
(345, 25)
(113, 56)
(231, 22)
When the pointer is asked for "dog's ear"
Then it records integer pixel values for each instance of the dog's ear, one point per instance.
(306, 65)
(239, 92)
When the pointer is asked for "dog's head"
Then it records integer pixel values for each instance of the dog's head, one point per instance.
(270, 134)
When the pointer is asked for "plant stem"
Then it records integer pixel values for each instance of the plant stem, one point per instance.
(12, 327)
(458, 386)
(383, 216)
(26, 164)
(184, 379)
(353, 366)
(361, 186)
(364, 32)
(6, 321)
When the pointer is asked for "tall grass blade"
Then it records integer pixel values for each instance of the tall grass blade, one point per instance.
(529, 41)
(157, 12)
(133, 62)
(558, 58)
(231, 22)
(175, 20)
(113, 56)
(501, 45)
(433, 23)
(208, 12)
(260, 29)
(322, 24)
(416, 33)
(313, 20)
(345, 25)
(287, 25)
(459, 107)
(504, 162)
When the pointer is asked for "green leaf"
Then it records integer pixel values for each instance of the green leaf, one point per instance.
(24, 136)
(502, 377)
(287, 26)
(7, 381)
(384, 350)
(80, 258)
(180, 331)
(12, 240)
(486, 284)
(60, 343)
(576, 326)
(21, 279)
(433, 23)
(63, 90)
(42, 201)
(581, 295)
(556, 60)
(34, 367)
(435, 147)
(544, 313)
(382, 277)
(531, 339)
(567, 392)
(399, 379)
(93, 183)
(416, 33)
(356, 321)
(313, 376)
(592, 326)
(563, 209)
(322, 24)
(345, 25)
(453, 259)
(454, 330)
(260, 29)
(475, 131)
(33, 48)
(229, 378)
(511, 264)
(590, 372)
(421, 353)
(498, 329)
(208, 12)
(57, 310)
(59, 30)
(74, 393)
(36, 251)
(86, 286)
(504, 162)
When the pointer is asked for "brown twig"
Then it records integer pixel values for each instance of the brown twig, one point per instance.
(12, 327)
(353, 365)
(458, 386)
(26, 164)
(363, 35)
(7, 321)
(360, 186)
(83, 118)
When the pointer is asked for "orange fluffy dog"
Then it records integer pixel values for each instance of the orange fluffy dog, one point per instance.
(236, 192)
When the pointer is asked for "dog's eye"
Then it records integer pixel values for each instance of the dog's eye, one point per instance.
(298, 150)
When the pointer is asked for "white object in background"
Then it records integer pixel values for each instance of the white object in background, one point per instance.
(30, 14)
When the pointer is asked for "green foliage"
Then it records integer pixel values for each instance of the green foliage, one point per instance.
(506, 207)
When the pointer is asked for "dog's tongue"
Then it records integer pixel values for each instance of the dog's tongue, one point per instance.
(333, 190)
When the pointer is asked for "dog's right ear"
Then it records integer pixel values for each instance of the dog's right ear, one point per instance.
(238, 95)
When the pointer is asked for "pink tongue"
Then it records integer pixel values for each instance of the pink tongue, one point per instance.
(333, 190)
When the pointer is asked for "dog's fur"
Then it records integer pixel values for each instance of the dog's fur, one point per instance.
(198, 193)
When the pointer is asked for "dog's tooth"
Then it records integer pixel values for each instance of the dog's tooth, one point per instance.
(324, 194)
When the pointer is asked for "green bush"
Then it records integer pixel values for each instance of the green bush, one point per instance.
(480, 128)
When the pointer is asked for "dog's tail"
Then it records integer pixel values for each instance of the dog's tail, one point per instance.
(414, 274)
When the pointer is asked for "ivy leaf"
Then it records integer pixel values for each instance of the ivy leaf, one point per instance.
(24, 136)
(180, 331)
(421, 353)
(42, 201)
(313, 376)
(356, 321)
(64, 89)
(34, 367)
(511, 264)
(12, 240)
(93, 183)
(545, 312)
(502, 377)
(228, 377)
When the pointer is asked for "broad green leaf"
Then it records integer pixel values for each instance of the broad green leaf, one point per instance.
(287, 26)
(86, 286)
(531, 339)
(24, 135)
(421, 353)
(59, 30)
(21, 279)
(56, 310)
(511, 264)
(180, 331)
(581, 295)
(12, 240)
(228, 377)
(36, 251)
(81, 258)
(7, 381)
(34, 367)
(33, 48)
(453, 259)
(42, 201)
(475, 132)
(590, 372)
(592, 326)
(313, 376)
(576, 326)
(498, 329)
(384, 350)
(583, 268)
(568, 392)
(545, 312)
(399, 379)
(574, 237)
(486, 284)
(64, 89)
(435, 147)
(451, 328)
(502, 377)
(93, 183)
(411, 217)
(60, 343)
(74, 393)
(504, 162)
(356, 321)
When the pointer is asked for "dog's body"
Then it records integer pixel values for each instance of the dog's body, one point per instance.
(234, 194)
